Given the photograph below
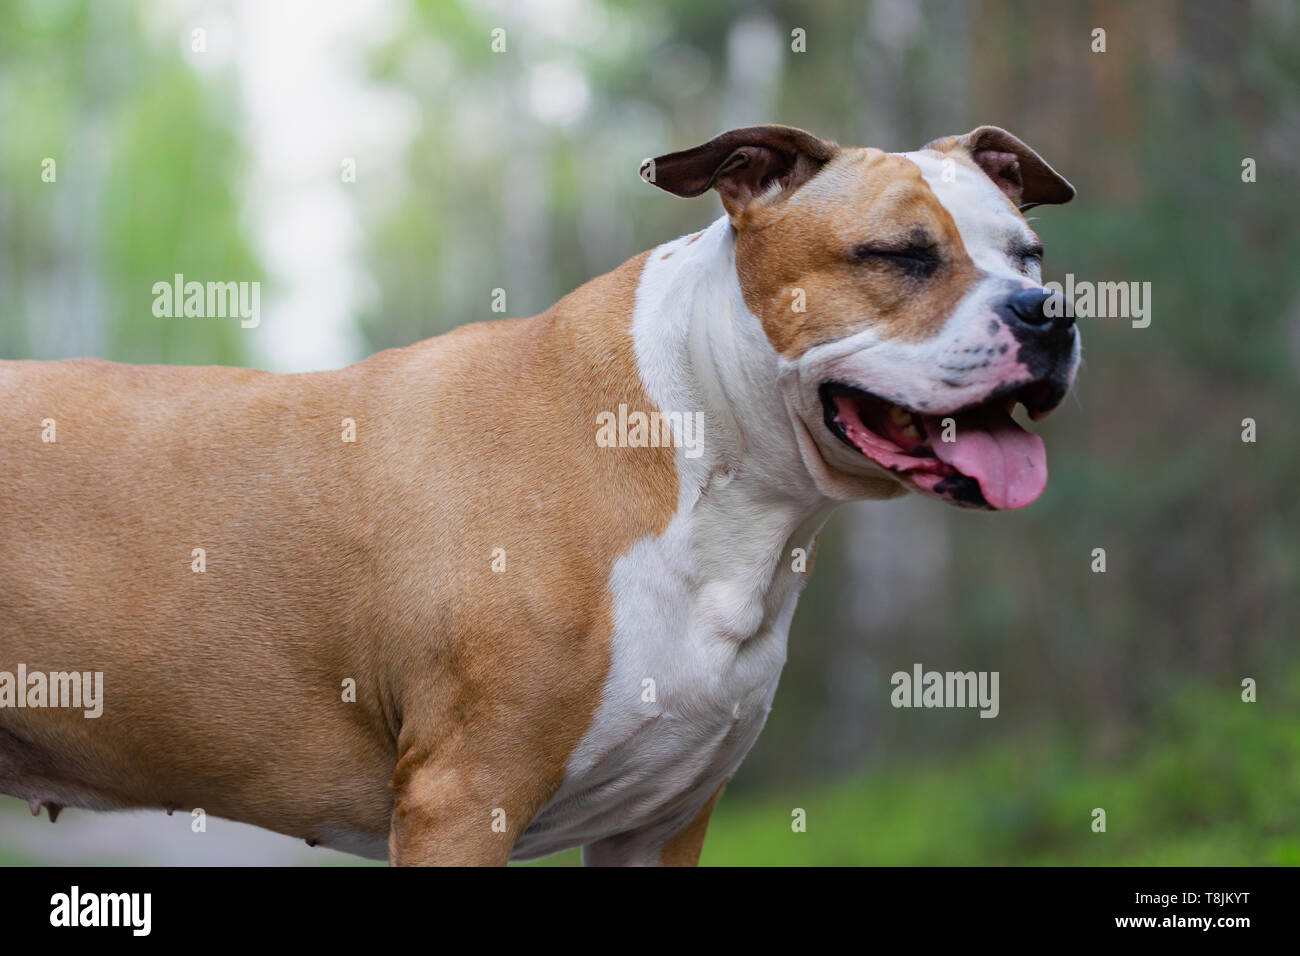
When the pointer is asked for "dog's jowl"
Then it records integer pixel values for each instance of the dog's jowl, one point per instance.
(442, 634)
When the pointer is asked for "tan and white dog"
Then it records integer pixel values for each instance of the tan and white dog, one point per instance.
(553, 643)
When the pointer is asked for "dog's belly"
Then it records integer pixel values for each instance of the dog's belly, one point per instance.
(105, 765)
(31, 772)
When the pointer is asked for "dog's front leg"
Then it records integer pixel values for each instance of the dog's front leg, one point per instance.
(654, 847)
(462, 815)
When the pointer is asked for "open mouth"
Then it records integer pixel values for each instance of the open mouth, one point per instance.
(978, 456)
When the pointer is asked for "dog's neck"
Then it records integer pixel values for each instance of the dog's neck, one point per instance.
(700, 348)
(751, 505)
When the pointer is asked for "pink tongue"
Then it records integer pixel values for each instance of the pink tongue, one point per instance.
(1009, 463)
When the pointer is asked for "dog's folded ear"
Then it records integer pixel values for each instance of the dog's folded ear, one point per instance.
(1017, 170)
(742, 164)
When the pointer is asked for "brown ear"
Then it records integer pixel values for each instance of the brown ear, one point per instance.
(741, 164)
(1016, 169)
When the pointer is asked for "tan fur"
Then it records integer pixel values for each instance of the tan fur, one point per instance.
(684, 848)
(326, 561)
(804, 240)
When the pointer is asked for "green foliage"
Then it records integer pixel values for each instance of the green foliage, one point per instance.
(171, 207)
(148, 169)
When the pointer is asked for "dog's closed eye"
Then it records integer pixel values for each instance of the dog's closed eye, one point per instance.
(915, 259)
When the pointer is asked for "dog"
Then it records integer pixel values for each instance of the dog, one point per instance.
(419, 608)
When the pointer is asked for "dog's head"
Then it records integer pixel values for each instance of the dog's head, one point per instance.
(903, 293)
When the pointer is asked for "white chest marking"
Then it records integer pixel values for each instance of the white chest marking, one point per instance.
(702, 611)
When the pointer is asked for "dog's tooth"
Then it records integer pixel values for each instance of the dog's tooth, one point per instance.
(911, 432)
(899, 415)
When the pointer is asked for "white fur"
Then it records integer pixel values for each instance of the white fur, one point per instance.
(702, 610)
(984, 220)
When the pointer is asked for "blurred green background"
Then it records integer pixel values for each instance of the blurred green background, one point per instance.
(225, 154)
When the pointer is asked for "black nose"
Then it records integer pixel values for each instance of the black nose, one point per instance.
(1037, 308)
